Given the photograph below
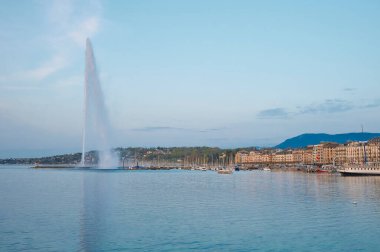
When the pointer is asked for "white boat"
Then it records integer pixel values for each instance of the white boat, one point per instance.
(266, 169)
(361, 170)
(225, 171)
(364, 169)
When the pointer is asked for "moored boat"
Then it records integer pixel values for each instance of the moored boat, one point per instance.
(224, 172)
(321, 171)
(361, 170)
(202, 168)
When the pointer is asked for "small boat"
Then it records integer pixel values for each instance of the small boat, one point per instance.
(225, 171)
(266, 169)
(202, 168)
(321, 171)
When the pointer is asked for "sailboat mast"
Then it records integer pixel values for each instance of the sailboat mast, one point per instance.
(364, 150)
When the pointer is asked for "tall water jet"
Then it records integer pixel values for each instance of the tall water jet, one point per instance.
(96, 127)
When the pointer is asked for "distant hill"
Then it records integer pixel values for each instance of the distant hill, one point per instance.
(309, 139)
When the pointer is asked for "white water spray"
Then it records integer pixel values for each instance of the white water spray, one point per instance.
(96, 127)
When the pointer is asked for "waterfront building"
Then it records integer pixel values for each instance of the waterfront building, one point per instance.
(278, 157)
(267, 157)
(355, 153)
(255, 157)
(340, 155)
(298, 156)
(319, 154)
(308, 155)
(373, 150)
(289, 157)
(328, 153)
(241, 157)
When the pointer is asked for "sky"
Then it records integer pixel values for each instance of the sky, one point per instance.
(188, 73)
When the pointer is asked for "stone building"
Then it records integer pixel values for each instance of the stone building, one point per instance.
(319, 154)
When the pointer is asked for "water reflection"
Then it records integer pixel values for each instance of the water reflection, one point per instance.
(97, 198)
(167, 210)
(361, 187)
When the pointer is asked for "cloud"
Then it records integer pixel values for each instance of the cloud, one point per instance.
(157, 128)
(86, 29)
(74, 21)
(275, 113)
(328, 106)
(211, 130)
(70, 24)
(373, 104)
(349, 89)
(46, 69)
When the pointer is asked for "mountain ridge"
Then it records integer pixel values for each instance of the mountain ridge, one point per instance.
(306, 139)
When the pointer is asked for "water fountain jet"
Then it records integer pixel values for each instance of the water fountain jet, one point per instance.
(96, 128)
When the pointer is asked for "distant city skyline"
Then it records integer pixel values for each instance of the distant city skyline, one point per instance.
(195, 73)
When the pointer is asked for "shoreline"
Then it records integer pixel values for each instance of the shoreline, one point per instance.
(166, 168)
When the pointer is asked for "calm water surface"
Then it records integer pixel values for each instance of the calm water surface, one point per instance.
(77, 210)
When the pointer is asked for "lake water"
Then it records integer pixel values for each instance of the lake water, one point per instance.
(77, 210)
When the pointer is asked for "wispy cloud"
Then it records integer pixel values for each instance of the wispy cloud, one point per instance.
(327, 106)
(70, 25)
(274, 113)
(373, 104)
(211, 130)
(158, 128)
(87, 28)
(46, 69)
(349, 89)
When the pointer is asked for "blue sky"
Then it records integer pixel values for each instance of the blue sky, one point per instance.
(188, 73)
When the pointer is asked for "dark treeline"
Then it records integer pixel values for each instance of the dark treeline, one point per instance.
(154, 154)
(57, 159)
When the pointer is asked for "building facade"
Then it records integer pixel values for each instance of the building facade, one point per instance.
(319, 154)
